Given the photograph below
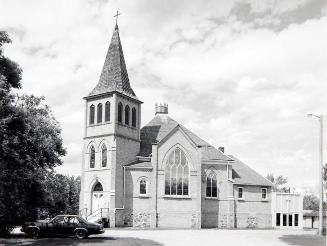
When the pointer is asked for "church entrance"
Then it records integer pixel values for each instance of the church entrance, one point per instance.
(97, 197)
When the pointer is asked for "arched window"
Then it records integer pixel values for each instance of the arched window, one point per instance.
(92, 112)
(133, 117)
(177, 174)
(92, 157)
(99, 113)
(120, 112)
(104, 155)
(211, 185)
(127, 115)
(107, 111)
(143, 187)
(98, 187)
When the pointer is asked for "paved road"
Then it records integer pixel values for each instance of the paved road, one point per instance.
(210, 237)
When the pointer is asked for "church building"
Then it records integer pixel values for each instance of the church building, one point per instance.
(162, 174)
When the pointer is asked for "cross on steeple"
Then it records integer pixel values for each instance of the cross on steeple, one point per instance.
(116, 16)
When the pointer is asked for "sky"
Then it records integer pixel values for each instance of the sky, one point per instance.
(239, 74)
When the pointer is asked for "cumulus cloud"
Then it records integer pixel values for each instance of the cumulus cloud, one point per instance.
(239, 74)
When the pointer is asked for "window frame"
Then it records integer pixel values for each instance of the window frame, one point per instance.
(187, 164)
(107, 112)
(104, 145)
(127, 112)
(99, 113)
(266, 198)
(212, 174)
(238, 193)
(134, 117)
(146, 187)
(92, 114)
(120, 109)
(91, 149)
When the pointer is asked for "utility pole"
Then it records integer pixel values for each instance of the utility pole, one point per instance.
(321, 191)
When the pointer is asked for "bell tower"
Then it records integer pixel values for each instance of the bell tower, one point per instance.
(111, 137)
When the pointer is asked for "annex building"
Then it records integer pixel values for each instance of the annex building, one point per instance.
(161, 174)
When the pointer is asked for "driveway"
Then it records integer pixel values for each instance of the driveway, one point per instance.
(204, 237)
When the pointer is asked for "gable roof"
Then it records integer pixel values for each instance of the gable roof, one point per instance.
(114, 76)
(243, 174)
(161, 125)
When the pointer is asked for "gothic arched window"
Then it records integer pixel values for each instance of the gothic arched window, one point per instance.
(133, 117)
(127, 115)
(99, 113)
(104, 155)
(177, 174)
(211, 185)
(92, 157)
(92, 112)
(120, 112)
(107, 111)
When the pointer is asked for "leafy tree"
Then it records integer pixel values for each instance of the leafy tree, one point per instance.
(311, 202)
(279, 183)
(30, 146)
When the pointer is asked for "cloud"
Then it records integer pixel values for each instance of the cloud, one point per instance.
(239, 74)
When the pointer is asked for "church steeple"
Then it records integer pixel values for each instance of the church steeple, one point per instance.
(114, 76)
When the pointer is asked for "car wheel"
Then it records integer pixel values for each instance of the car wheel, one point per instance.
(80, 234)
(33, 233)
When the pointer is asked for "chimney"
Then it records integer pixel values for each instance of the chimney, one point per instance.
(161, 108)
(222, 149)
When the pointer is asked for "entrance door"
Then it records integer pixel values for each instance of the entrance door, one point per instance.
(97, 197)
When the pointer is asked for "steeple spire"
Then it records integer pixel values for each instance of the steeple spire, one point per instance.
(114, 76)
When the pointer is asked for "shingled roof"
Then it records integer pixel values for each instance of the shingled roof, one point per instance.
(243, 174)
(114, 76)
(161, 125)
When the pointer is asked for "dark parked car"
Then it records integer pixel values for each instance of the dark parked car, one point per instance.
(62, 225)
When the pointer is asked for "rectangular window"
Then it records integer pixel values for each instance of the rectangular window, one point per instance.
(296, 219)
(277, 219)
(290, 220)
(284, 219)
(264, 193)
(240, 193)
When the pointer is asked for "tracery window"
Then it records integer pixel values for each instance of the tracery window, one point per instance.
(120, 112)
(99, 113)
(127, 115)
(107, 111)
(104, 155)
(92, 157)
(211, 185)
(92, 112)
(133, 117)
(143, 187)
(177, 174)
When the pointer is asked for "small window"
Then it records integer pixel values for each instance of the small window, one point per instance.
(134, 117)
(92, 157)
(104, 155)
(127, 115)
(120, 112)
(107, 111)
(92, 112)
(240, 194)
(264, 193)
(277, 219)
(296, 219)
(99, 113)
(143, 188)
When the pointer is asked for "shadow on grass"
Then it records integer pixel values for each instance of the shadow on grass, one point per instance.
(303, 240)
(92, 240)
